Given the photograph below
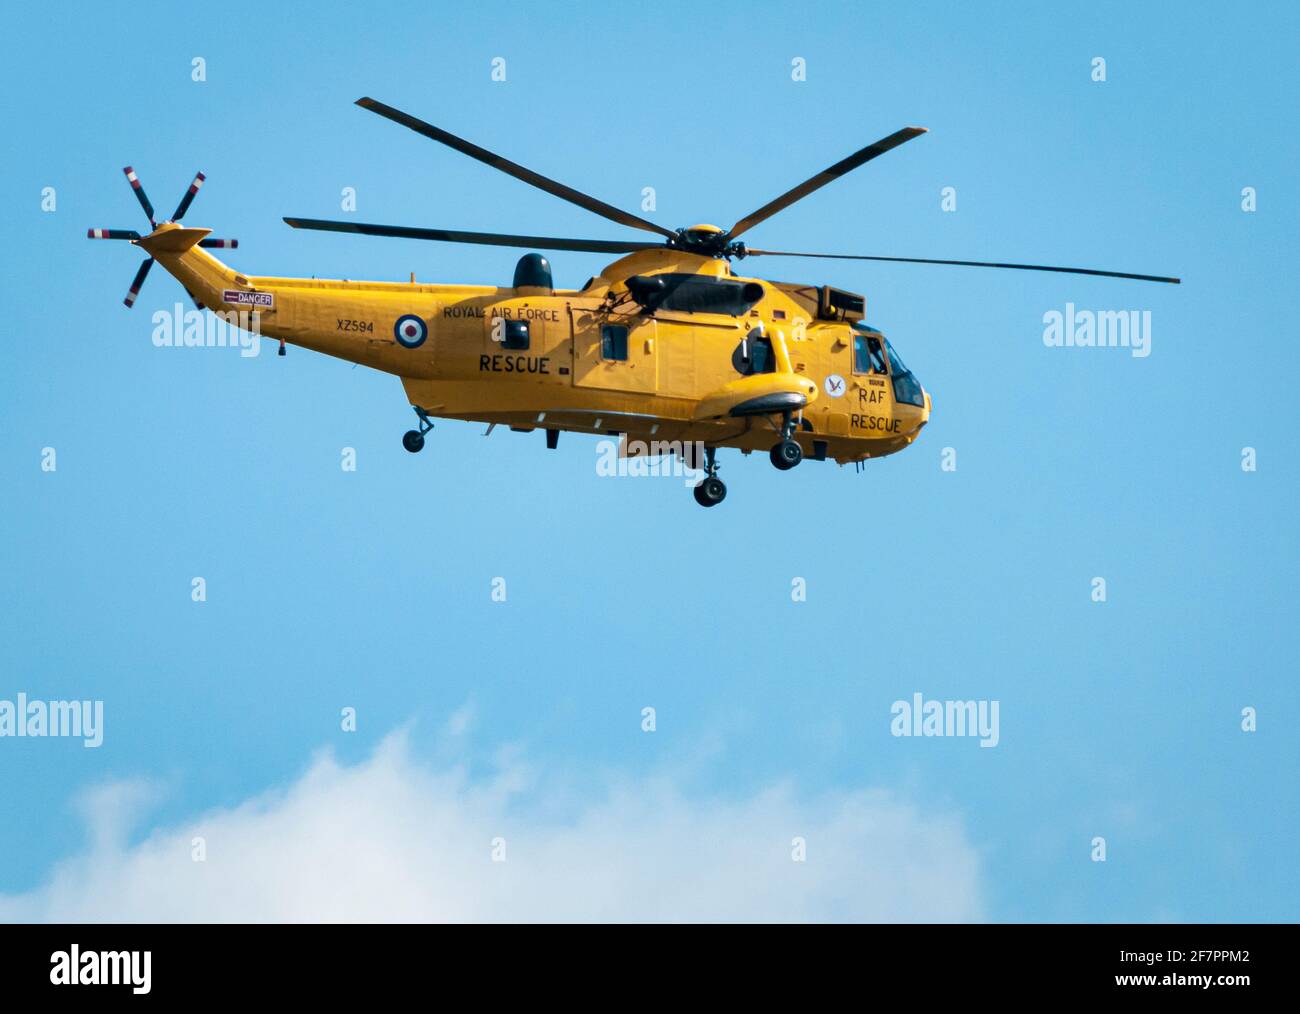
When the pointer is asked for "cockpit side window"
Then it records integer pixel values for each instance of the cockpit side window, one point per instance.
(868, 356)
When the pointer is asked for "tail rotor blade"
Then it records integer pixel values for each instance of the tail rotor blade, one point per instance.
(112, 234)
(219, 244)
(140, 195)
(140, 276)
(188, 199)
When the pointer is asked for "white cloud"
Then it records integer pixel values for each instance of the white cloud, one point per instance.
(393, 839)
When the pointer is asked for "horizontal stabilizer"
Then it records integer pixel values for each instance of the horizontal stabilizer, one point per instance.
(172, 239)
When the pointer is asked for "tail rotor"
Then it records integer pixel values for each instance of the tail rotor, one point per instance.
(134, 237)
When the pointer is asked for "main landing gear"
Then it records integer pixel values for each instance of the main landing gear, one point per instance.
(413, 440)
(787, 453)
(710, 491)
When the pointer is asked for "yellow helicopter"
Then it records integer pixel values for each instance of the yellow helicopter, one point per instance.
(666, 348)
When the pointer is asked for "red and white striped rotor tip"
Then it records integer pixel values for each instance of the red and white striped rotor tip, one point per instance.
(188, 197)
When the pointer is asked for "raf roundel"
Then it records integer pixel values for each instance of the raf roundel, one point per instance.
(410, 331)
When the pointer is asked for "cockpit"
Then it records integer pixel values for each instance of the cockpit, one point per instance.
(872, 354)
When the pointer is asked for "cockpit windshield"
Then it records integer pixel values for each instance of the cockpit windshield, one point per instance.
(907, 389)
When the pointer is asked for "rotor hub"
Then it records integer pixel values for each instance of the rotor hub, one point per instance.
(704, 239)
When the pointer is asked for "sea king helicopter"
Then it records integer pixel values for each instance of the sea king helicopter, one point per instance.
(667, 348)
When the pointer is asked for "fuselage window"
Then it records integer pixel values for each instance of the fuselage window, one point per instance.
(516, 335)
(868, 356)
(756, 356)
(613, 342)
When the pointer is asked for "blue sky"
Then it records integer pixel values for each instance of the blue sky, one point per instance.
(371, 589)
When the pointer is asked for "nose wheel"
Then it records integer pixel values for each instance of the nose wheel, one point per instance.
(710, 491)
(413, 440)
(787, 453)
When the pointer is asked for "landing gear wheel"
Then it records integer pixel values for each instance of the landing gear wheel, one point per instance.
(786, 455)
(710, 492)
(413, 440)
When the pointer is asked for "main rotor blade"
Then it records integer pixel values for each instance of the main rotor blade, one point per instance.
(834, 172)
(482, 238)
(966, 264)
(513, 169)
